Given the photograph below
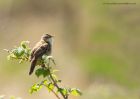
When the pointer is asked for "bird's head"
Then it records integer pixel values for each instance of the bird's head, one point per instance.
(47, 37)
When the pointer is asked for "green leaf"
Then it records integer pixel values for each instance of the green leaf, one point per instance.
(45, 82)
(42, 71)
(18, 52)
(45, 59)
(27, 52)
(35, 88)
(50, 87)
(23, 44)
(75, 92)
(54, 76)
(9, 57)
(59, 81)
(12, 97)
(55, 71)
(20, 61)
(63, 90)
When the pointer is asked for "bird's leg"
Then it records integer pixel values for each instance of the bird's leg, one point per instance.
(43, 65)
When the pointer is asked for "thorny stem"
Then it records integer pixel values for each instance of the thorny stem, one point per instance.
(65, 97)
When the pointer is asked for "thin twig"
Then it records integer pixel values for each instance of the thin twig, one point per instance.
(67, 96)
(55, 94)
(6, 50)
(56, 83)
(51, 90)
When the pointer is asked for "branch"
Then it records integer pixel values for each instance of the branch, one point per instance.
(65, 97)
(55, 94)
(57, 85)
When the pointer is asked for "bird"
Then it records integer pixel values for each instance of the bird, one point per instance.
(43, 47)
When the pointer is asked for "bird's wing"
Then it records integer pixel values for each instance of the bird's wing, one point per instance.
(38, 52)
(32, 53)
(42, 49)
(36, 48)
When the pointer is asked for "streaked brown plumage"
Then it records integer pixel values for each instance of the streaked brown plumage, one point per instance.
(42, 47)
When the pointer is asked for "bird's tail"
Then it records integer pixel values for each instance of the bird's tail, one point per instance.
(33, 63)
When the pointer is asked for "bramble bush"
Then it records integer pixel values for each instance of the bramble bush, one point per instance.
(50, 81)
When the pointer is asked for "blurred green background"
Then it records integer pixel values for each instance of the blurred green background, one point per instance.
(96, 46)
